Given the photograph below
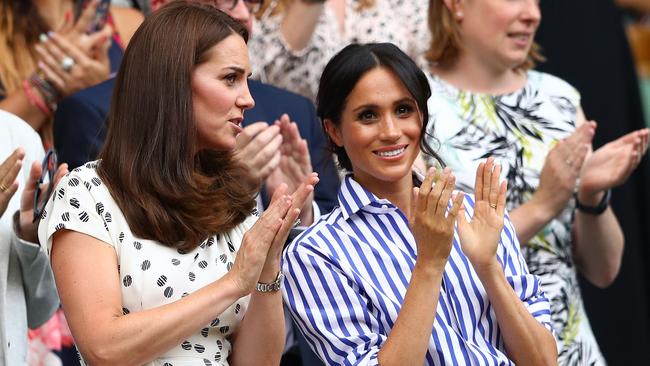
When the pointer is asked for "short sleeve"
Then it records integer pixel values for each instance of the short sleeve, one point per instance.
(328, 308)
(526, 285)
(75, 205)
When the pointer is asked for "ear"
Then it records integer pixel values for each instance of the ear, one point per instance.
(456, 8)
(333, 132)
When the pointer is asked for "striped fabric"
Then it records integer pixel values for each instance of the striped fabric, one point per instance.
(346, 277)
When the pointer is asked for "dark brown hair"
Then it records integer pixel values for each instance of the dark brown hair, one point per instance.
(167, 190)
(445, 38)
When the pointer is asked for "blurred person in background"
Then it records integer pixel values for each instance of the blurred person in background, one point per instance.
(27, 292)
(584, 43)
(296, 38)
(488, 102)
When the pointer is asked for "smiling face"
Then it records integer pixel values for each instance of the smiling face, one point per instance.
(220, 94)
(379, 129)
(499, 32)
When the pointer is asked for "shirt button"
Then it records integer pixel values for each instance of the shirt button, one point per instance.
(384, 207)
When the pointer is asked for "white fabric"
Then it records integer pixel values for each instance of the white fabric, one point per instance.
(151, 274)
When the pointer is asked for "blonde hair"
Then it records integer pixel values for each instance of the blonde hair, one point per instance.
(20, 26)
(446, 43)
(280, 6)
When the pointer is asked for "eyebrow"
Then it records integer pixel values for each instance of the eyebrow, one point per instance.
(366, 106)
(239, 70)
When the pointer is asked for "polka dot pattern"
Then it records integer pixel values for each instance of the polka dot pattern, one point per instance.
(150, 274)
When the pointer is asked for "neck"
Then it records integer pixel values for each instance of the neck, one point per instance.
(53, 11)
(398, 193)
(476, 75)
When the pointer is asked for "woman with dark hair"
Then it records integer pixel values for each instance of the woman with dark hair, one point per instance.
(386, 278)
(154, 247)
(489, 102)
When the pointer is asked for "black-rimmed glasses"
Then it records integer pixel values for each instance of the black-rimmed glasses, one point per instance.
(252, 5)
(48, 166)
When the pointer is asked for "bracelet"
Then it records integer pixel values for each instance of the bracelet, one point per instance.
(50, 93)
(273, 286)
(595, 210)
(35, 99)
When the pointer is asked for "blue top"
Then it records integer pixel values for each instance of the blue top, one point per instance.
(347, 275)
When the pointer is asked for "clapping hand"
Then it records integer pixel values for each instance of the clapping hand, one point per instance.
(562, 168)
(431, 224)
(262, 245)
(479, 238)
(258, 146)
(295, 164)
(612, 164)
(9, 170)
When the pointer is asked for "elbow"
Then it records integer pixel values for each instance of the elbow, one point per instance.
(605, 278)
(99, 354)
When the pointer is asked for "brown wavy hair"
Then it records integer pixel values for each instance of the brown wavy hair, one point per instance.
(446, 43)
(281, 6)
(168, 191)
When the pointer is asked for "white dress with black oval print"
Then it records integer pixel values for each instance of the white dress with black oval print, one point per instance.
(151, 274)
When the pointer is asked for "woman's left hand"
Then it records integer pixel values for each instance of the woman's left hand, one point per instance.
(295, 165)
(29, 228)
(612, 164)
(479, 238)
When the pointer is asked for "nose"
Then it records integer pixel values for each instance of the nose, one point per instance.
(390, 130)
(245, 99)
(531, 13)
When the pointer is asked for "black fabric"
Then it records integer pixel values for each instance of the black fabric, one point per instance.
(585, 44)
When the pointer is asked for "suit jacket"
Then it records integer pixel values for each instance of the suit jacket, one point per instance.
(79, 129)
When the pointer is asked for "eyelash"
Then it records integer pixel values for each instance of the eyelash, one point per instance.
(402, 110)
(231, 79)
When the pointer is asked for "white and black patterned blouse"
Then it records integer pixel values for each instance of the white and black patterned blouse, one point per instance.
(151, 274)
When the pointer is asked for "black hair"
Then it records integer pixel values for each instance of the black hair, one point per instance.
(345, 69)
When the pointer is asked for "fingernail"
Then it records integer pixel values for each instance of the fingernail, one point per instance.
(50, 33)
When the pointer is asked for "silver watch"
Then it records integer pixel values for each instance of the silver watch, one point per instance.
(273, 286)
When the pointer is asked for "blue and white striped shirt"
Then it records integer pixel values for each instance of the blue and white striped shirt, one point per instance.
(347, 275)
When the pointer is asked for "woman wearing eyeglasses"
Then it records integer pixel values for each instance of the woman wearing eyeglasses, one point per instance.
(27, 293)
(157, 252)
(295, 38)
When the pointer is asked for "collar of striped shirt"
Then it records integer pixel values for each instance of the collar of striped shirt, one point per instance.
(347, 275)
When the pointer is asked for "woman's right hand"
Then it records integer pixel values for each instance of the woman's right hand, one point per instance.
(87, 70)
(431, 224)
(9, 170)
(559, 175)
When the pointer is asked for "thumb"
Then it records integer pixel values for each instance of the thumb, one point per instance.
(31, 186)
(101, 42)
(414, 199)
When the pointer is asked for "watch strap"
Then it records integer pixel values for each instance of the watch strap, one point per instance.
(595, 210)
(272, 286)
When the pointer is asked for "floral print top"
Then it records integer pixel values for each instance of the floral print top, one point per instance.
(519, 129)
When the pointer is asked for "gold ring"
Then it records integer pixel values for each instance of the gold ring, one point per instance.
(3, 188)
(568, 162)
(493, 205)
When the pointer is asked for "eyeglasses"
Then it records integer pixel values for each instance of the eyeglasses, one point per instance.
(229, 5)
(48, 167)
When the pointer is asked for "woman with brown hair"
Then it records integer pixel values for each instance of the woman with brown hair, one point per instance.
(295, 38)
(154, 247)
(486, 101)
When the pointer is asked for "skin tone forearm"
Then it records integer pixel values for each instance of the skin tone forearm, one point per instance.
(527, 341)
(433, 231)
(598, 244)
(264, 320)
(300, 22)
(529, 219)
(412, 328)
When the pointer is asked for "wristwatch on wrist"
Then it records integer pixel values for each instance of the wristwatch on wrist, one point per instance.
(598, 209)
(273, 286)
